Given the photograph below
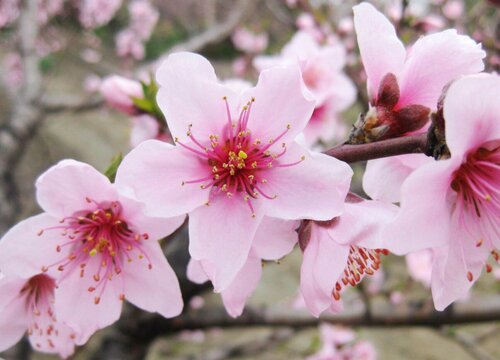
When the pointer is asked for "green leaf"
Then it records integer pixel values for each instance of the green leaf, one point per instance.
(113, 167)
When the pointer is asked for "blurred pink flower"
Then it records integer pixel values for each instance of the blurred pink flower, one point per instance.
(396, 297)
(92, 83)
(14, 76)
(321, 68)
(453, 205)
(306, 23)
(453, 9)
(99, 246)
(129, 44)
(249, 42)
(26, 305)
(9, 12)
(420, 266)
(231, 162)
(95, 13)
(342, 251)
(145, 127)
(143, 18)
(47, 9)
(119, 91)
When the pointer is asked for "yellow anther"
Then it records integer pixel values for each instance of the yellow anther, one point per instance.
(93, 252)
(288, 126)
(242, 155)
(487, 198)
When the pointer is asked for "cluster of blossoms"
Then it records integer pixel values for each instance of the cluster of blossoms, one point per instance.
(242, 172)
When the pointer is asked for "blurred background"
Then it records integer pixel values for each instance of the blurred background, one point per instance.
(54, 58)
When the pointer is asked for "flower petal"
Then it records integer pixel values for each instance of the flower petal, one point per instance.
(381, 50)
(67, 186)
(324, 261)
(237, 294)
(195, 272)
(383, 178)
(471, 110)
(153, 173)
(156, 289)
(190, 94)
(281, 100)
(72, 293)
(274, 238)
(433, 62)
(13, 314)
(23, 252)
(221, 234)
(313, 189)
(423, 221)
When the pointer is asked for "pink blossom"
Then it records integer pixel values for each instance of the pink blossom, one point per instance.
(129, 44)
(26, 305)
(362, 350)
(92, 83)
(249, 42)
(404, 86)
(321, 69)
(420, 266)
(341, 252)
(143, 18)
(453, 205)
(119, 91)
(396, 297)
(14, 76)
(431, 23)
(98, 245)
(9, 12)
(306, 23)
(95, 13)
(283, 236)
(232, 165)
(453, 9)
(346, 26)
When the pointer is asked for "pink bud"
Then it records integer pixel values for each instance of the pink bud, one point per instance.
(118, 92)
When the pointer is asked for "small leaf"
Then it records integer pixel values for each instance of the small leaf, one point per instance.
(113, 167)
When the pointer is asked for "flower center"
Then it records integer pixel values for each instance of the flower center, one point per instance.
(101, 235)
(236, 160)
(477, 203)
(361, 262)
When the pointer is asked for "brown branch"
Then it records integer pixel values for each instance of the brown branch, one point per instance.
(403, 145)
(468, 343)
(481, 310)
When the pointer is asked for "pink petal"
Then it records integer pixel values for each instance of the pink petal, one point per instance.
(472, 109)
(23, 252)
(324, 261)
(156, 289)
(274, 238)
(156, 228)
(144, 127)
(383, 178)
(433, 62)
(13, 315)
(313, 189)
(361, 223)
(190, 94)
(280, 95)
(245, 283)
(196, 273)
(72, 293)
(381, 50)
(154, 172)
(451, 267)
(65, 188)
(423, 221)
(221, 234)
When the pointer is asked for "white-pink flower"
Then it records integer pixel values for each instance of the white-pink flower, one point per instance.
(27, 306)
(321, 68)
(119, 91)
(419, 265)
(273, 240)
(404, 87)
(146, 127)
(9, 12)
(98, 245)
(453, 205)
(249, 42)
(95, 13)
(235, 161)
(340, 252)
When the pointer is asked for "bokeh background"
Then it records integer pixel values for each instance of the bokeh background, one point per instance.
(77, 45)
